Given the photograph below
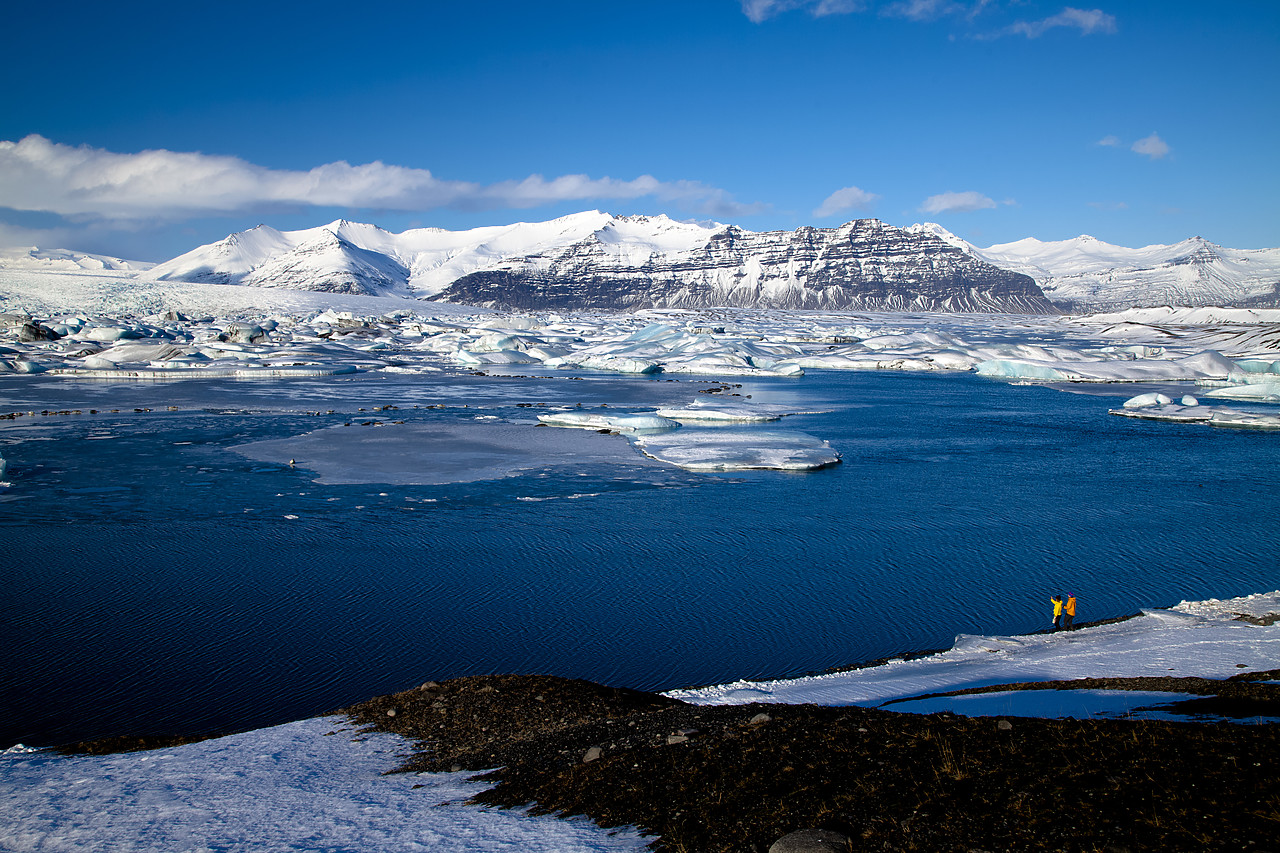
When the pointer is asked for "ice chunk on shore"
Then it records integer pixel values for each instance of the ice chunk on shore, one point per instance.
(739, 450)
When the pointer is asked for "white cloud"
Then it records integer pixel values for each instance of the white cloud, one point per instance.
(1087, 21)
(957, 203)
(1109, 141)
(39, 175)
(1152, 146)
(849, 198)
(924, 10)
(759, 11)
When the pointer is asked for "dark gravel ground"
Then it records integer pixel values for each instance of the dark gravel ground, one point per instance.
(736, 778)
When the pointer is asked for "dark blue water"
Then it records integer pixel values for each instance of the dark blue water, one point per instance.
(153, 583)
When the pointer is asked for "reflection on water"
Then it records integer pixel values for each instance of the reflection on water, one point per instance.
(159, 581)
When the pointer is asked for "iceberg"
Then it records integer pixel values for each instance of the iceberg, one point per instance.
(1262, 391)
(1143, 401)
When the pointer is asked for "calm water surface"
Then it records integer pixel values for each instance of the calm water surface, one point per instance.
(157, 581)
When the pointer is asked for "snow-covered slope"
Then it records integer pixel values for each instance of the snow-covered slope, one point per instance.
(1087, 275)
(595, 260)
(34, 259)
(339, 255)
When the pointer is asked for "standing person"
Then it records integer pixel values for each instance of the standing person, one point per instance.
(1057, 611)
(1069, 610)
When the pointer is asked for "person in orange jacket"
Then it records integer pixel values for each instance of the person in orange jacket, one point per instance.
(1069, 611)
(1057, 611)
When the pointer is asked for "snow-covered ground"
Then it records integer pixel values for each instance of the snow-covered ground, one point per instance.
(1204, 639)
(318, 784)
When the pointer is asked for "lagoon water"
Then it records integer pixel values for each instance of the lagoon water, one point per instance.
(158, 580)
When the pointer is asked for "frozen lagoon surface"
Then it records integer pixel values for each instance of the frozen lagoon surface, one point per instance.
(177, 573)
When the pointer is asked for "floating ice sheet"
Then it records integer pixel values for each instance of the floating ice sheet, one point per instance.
(614, 421)
(738, 449)
(1158, 407)
(704, 411)
(438, 453)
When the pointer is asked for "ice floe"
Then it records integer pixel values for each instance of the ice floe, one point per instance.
(612, 421)
(1158, 407)
(738, 449)
(706, 411)
(386, 451)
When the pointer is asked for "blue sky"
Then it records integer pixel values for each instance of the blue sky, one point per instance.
(144, 129)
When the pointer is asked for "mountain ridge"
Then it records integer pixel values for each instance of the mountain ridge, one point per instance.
(595, 260)
(592, 259)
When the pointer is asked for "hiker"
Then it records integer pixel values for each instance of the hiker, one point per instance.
(1057, 611)
(1069, 611)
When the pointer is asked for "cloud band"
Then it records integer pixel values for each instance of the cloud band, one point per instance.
(39, 175)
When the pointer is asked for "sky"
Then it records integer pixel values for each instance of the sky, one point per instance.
(144, 129)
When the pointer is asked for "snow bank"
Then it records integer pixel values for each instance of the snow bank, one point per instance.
(1202, 639)
(310, 785)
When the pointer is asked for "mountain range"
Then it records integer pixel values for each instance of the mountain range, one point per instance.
(593, 260)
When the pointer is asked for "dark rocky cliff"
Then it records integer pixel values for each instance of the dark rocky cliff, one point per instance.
(863, 265)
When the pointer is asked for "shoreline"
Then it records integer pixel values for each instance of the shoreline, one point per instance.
(1186, 763)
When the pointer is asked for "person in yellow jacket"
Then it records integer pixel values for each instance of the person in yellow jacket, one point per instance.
(1069, 611)
(1057, 611)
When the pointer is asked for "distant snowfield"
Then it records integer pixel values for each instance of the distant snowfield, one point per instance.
(318, 785)
(111, 327)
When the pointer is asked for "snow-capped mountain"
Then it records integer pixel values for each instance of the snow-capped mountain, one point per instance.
(595, 260)
(1086, 275)
(33, 259)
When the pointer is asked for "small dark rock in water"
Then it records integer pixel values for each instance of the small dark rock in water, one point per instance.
(812, 841)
